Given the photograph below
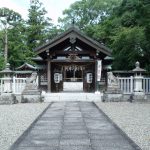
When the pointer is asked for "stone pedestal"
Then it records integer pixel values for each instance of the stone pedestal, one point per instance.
(31, 96)
(112, 96)
(113, 93)
(138, 85)
(7, 85)
(7, 98)
(31, 93)
(139, 96)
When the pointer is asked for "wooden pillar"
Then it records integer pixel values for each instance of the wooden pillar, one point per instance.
(64, 71)
(48, 73)
(82, 75)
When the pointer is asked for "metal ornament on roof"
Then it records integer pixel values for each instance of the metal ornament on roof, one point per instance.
(72, 39)
(73, 57)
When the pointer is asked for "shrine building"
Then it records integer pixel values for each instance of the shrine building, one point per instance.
(72, 62)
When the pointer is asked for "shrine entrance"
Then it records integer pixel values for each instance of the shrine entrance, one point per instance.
(73, 73)
(72, 62)
(73, 78)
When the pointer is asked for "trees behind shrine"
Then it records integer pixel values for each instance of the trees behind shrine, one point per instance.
(25, 35)
(122, 25)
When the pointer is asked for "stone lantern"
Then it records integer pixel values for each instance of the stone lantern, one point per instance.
(138, 78)
(7, 79)
(7, 97)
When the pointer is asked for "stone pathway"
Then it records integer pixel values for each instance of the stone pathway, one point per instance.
(73, 126)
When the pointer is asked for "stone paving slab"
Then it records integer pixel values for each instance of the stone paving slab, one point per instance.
(74, 136)
(39, 143)
(74, 126)
(75, 142)
(38, 148)
(75, 148)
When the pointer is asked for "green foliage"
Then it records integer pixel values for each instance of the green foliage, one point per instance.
(9, 16)
(130, 43)
(1, 62)
(88, 12)
(10, 23)
(122, 25)
(39, 26)
(127, 45)
(24, 36)
(17, 45)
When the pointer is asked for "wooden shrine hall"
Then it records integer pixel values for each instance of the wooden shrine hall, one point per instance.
(72, 62)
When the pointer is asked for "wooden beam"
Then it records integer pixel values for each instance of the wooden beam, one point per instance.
(77, 61)
(49, 76)
(95, 75)
(48, 73)
(80, 37)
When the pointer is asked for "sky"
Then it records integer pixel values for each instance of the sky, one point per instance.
(54, 7)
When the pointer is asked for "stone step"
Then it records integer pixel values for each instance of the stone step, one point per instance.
(49, 97)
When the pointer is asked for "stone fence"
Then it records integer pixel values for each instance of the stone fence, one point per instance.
(14, 85)
(127, 84)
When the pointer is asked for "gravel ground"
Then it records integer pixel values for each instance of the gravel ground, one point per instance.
(132, 118)
(15, 119)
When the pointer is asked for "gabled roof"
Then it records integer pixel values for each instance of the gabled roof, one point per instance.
(26, 66)
(79, 35)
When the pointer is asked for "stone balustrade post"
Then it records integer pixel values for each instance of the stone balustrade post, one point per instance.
(138, 84)
(138, 93)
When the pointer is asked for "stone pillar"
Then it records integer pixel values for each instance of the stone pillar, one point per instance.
(138, 84)
(138, 94)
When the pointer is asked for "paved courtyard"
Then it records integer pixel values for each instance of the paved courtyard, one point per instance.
(73, 126)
